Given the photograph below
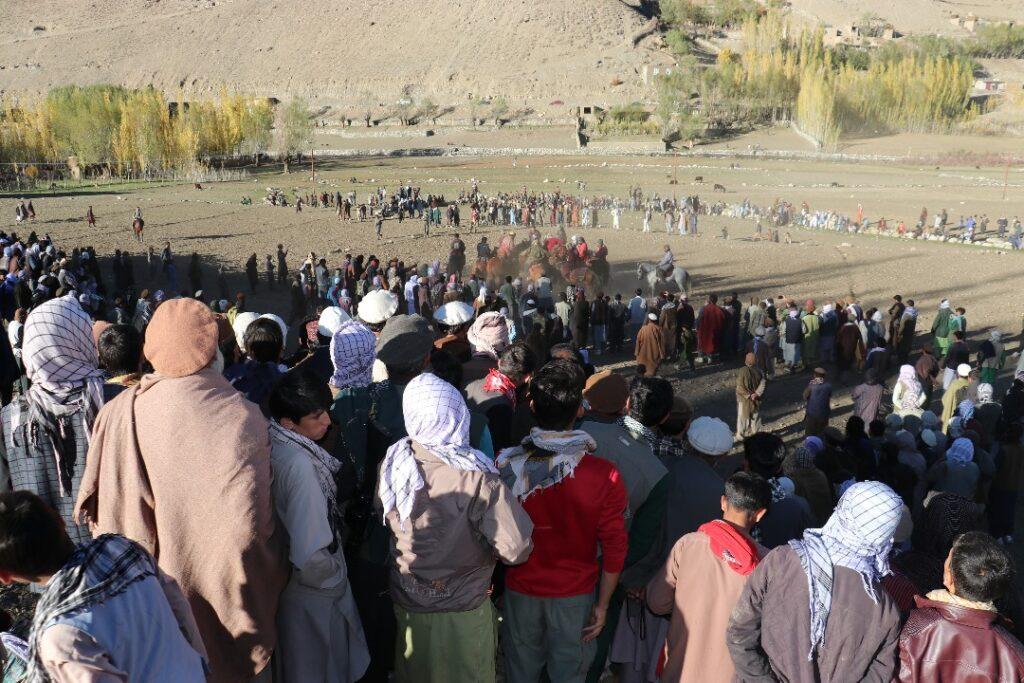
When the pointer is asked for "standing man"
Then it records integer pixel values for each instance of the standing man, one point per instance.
(818, 396)
(450, 519)
(556, 603)
(850, 631)
(637, 313)
(282, 264)
(702, 580)
(457, 257)
(710, 325)
(941, 328)
(649, 349)
(750, 386)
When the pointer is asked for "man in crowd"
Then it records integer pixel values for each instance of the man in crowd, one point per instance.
(750, 386)
(649, 349)
(850, 630)
(556, 603)
(185, 417)
(702, 579)
(450, 518)
(501, 396)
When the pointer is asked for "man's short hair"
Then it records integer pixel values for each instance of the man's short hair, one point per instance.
(120, 349)
(557, 393)
(959, 335)
(982, 570)
(650, 400)
(748, 492)
(263, 340)
(764, 453)
(446, 366)
(33, 541)
(517, 361)
(298, 394)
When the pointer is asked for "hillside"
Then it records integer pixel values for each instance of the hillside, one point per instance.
(332, 52)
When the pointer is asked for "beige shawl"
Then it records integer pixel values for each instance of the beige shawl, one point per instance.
(182, 465)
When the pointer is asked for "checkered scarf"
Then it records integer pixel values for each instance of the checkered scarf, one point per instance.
(543, 459)
(325, 466)
(95, 573)
(353, 350)
(61, 361)
(436, 417)
(858, 536)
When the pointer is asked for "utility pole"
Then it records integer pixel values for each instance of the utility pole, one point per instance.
(312, 166)
(1006, 175)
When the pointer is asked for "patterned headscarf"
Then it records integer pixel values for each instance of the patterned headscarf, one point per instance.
(960, 452)
(61, 361)
(325, 466)
(966, 409)
(436, 417)
(858, 536)
(353, 350)
(489, 334)
(911, 387)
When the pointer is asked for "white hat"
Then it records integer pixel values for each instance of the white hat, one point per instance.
(929, 419)
(280, 323)
(652, 316)
(929, 438)
(454, 313)
(710, 436)
(330, 320)
(964, 370)
(241, 324)
(893, 421)
(377, 306)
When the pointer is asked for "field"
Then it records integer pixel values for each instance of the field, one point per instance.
(816, 265)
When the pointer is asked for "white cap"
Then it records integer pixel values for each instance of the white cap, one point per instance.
(241, 324)
(653, 316)
(377, 306)
(330, 320)
(280, 323)
(710, 436)
(964, 370)
(454, 313)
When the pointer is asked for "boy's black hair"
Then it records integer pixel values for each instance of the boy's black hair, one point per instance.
(764, 453)
(557, 393)
(650, 400)
(517, 361)
(33, 540)
(263, 340)
(748, 492)
(982, 569)
(298, 394)
(446, 366)
(120, 349)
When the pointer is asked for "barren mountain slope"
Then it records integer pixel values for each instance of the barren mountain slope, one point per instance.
(332, 52)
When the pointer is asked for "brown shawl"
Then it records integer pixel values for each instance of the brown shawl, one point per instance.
(747, 382)
(182, 465)
(650, 348)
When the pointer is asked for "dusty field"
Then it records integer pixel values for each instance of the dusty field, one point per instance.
(819, 265)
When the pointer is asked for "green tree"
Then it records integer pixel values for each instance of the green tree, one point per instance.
(294, 127)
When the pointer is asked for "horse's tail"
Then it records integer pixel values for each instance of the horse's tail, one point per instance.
(686, 282)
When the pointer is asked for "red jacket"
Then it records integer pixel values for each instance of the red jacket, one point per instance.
(570, 519)
(942, 642)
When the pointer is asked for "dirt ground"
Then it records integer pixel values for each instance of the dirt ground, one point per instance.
(818, 265)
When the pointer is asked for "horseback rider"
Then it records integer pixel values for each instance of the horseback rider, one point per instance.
(483, 250)
(665, 264)
(138, 215)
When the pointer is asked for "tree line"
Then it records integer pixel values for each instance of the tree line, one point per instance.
(778, 74)
(133, 132)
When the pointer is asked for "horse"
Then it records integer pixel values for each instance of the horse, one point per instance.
(654, 278)
(137, 225)
(719, 187)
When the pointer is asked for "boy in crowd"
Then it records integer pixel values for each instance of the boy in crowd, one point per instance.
(106, 611)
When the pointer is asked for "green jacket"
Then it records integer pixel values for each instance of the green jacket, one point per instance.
(940, 326)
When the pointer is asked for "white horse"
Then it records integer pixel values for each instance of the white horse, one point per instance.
(655, 279)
